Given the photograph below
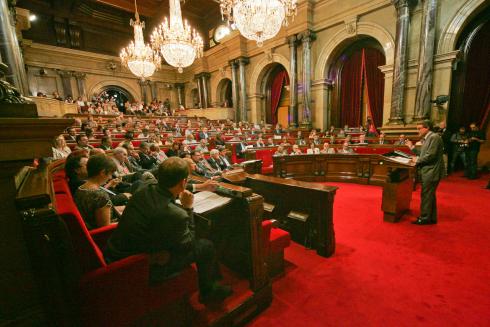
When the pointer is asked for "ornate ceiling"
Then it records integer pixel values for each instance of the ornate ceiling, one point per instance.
(109, 19)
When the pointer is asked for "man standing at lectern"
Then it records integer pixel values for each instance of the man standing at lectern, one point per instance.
(431, 168)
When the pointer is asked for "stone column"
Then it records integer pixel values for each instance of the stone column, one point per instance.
(205, 88)
(400, 66)
(180, 87)
(234, 88)
(426, 59)
(10, 52)
(153, 89)
(243, 61)
(82, 90)
(293, 82)
(66, 82)
(328, 118)
(306, 38)
(199, 90)
(144, 95)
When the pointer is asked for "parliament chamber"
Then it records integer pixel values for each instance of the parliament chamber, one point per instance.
(244, 163)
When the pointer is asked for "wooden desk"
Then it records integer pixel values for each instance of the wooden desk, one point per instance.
(304, 209)
(242, 247)
(395, 178)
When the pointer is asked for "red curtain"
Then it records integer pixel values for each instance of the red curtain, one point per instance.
(374, 80)
(350, 90)
(278, 83)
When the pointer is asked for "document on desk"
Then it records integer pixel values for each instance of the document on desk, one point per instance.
(206, 201)
(401, 160)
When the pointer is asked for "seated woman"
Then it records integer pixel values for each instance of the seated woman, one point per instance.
(296, 150)
(92, 201)
(312, 149)
(327, 149)
(280, 151)
(60, 149)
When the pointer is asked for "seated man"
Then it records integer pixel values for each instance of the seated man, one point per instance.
(203, 167)
(215, 160)
(146, 160)
(345, 148)
(362, 139)
(152, 222)
(224, 161)
(203, 146)
(82, 143)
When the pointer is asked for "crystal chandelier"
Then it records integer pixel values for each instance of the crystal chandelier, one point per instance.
(140, 58)
(258, 20)
(178, 43)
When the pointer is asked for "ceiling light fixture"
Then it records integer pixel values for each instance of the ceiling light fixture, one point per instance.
(139, 57)
(258, 20)
(178, 43)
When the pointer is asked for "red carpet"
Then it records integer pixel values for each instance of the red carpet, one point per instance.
(385, 274)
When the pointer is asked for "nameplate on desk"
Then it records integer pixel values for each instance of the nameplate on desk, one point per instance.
(298, 215)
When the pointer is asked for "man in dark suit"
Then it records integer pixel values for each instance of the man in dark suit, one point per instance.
(214, 160)
(153, 223)
(241, 149)
(431, 168)
(203, 134)
(146, 161)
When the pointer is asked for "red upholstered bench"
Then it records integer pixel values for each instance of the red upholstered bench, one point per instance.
(275, 241)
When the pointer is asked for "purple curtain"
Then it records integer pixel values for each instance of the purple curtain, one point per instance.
(278, 83)
(374, 80)
(350, 90)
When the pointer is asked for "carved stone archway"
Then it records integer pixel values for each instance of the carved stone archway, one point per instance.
(256, 94)
(330, 50)
(449, 37)
(221, 90)
(101, 86)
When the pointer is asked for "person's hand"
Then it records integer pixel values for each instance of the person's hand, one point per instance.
(113, 183)
(128, 195)
(409, 144)
(186, 199)
(210, 185)
(414, 159)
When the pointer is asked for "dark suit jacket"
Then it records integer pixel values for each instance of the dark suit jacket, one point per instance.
(151, 222)
(147, 162)
(430, 159)
(239, 148)
(214, 164)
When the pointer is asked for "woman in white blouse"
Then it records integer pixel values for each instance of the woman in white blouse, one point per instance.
(60, 149)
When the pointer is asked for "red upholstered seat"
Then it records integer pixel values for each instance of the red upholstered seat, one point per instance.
(275, 241)
(119, 293)
(266, 156)
(279, 240)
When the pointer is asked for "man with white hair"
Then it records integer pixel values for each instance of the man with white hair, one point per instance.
(120, 157)
(214, 160)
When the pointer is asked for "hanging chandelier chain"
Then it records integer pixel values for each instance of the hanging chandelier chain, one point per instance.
(139, 57)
